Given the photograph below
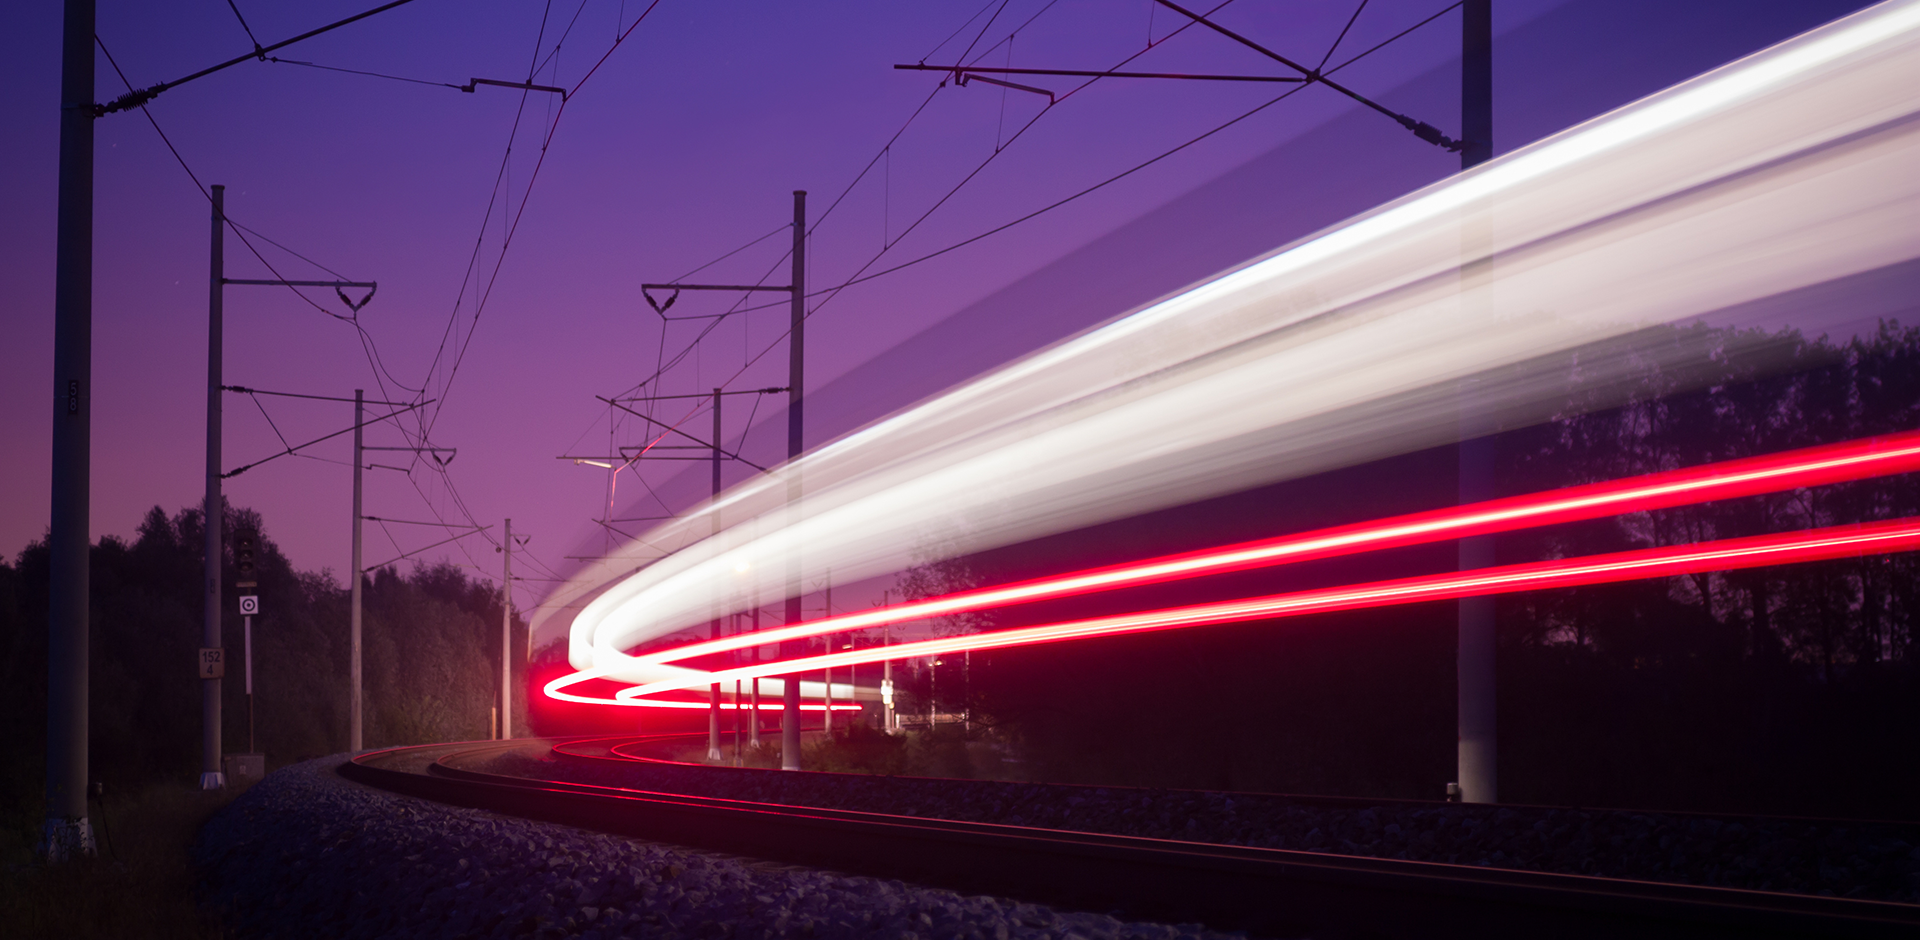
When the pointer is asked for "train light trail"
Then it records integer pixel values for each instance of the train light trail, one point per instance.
(1790, 169)
(1835, 463)
(1345, 346)
(1730, 554)
(555, 691)
(1772, 473)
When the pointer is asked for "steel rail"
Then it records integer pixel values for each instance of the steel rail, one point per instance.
(627, 752)
(1270, 892)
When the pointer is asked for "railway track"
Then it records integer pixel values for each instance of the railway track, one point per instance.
(1267, 892)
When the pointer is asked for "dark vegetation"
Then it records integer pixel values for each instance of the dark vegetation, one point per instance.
(431, 652)
(1784, 690)
(141, 884)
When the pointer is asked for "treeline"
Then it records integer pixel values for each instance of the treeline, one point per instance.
(430, 658)
(1831, 616)
(1790, 689)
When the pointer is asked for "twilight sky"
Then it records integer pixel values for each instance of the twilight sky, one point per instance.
(682, 146)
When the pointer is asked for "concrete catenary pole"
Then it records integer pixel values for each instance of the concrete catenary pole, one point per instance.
(66, 832)
(713, 689)
(506, 633)
(1475, 665)
(796, 368)
(214, 516)
(735, 658)
(886, 672)
(354, 726)
(826, 720)
(753, 710)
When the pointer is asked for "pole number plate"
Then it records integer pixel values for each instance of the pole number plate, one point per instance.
(213, 662)
(249, 604)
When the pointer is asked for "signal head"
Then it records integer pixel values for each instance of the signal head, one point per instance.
(246, 545)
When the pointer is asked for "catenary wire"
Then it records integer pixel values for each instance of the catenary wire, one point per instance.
(956, 32)
(1355, 18)
(519, 214)
(334, 68)
(480, 301)
(276, 428)
(243, 23)
(1016, 31)
(1396, 36)
(1108, 181)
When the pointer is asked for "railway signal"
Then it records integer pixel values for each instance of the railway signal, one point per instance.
(246, 546)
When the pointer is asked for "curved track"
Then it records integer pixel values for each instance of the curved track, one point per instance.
(1268, 892)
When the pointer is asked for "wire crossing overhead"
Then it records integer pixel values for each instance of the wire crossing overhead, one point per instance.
(134, 99)
(357, 426)
(524, 86)
(960, 71)
(745, 391)
(474, 531)
(661, 308)
(1420, 129)
(444, 525)
(242, 389)
(1016, 86)
(372, 288)
(468, 87)
(675, 430)
(962, 74)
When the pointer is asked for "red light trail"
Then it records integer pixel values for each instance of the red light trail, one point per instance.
(1729, 554)
(1836, 463)
(1814, 466)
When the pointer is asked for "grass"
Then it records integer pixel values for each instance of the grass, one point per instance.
(142, 883)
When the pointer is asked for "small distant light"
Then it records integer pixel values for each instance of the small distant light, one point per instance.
(741, 567)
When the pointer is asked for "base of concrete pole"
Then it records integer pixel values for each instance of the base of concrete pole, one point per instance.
(66, 839)
(213, 780)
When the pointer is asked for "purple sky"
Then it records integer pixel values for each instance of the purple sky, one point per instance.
(684, 145)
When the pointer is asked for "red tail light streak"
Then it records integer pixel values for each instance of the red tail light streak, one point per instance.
(1788, 470)
(1753, 552)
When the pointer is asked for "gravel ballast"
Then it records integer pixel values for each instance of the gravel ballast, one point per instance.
(1870, 860)
(305, 853)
